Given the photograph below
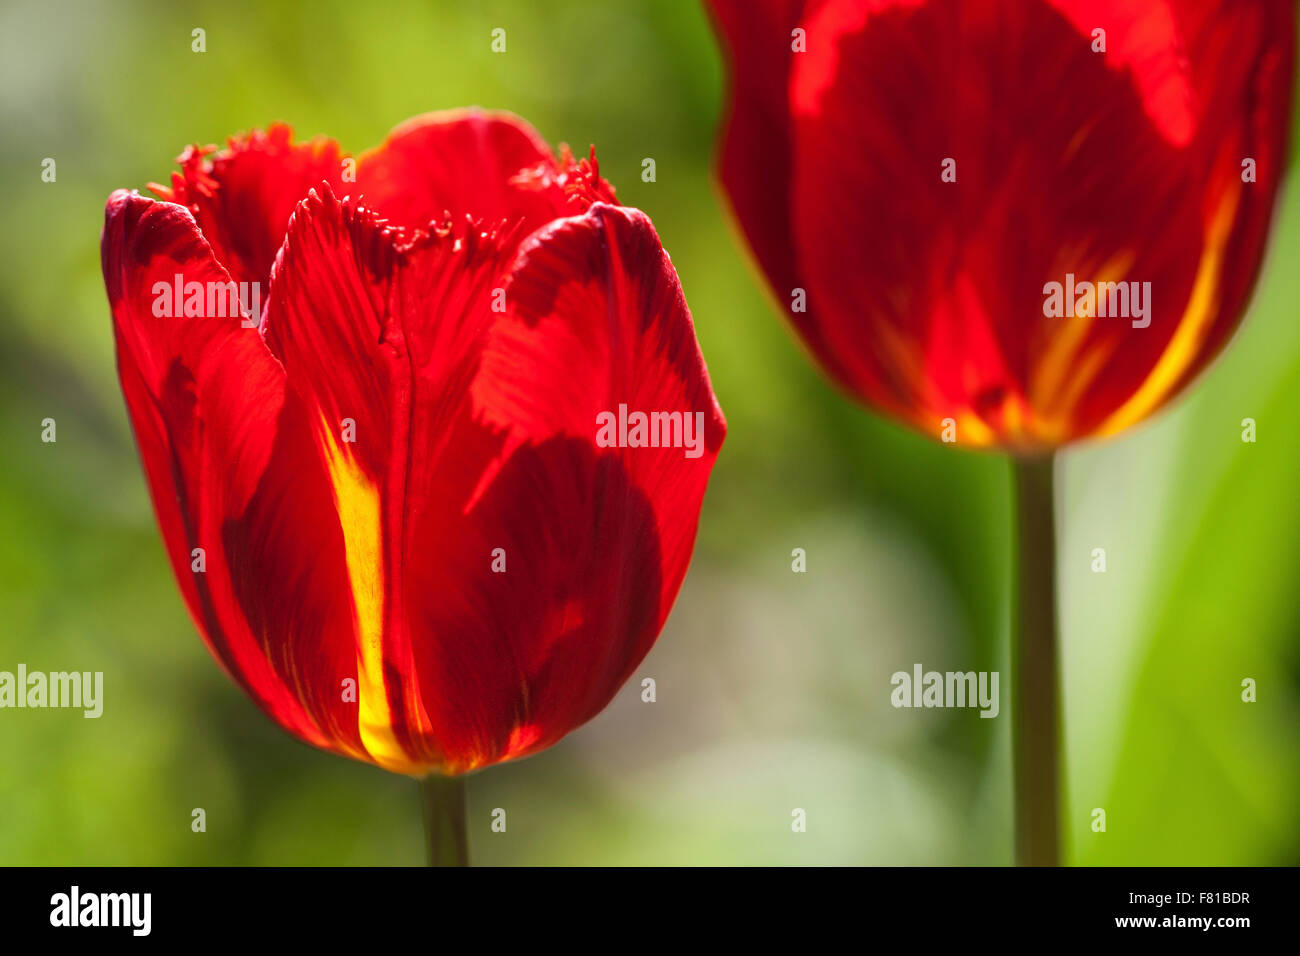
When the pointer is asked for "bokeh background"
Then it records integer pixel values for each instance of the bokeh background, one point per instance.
(773, 687)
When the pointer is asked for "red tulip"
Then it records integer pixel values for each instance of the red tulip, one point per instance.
(937, 176)
(387, 498)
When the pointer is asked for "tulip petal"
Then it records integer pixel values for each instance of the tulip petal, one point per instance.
(242, 196)
(755, 163)
(404, 318)
(599, 541)
(545, 596)
(491, 166)
(598, 292)
(230, 473)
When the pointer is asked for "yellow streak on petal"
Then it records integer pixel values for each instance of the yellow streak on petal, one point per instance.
(1057, 429)
(972, 431)
(357, 501)
(1047, 393)
(1185, 344)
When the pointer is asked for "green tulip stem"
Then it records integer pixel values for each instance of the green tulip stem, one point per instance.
(443, 799)
(1036, 709)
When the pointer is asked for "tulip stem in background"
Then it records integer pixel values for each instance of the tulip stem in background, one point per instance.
(1035, 711)
(443, 799)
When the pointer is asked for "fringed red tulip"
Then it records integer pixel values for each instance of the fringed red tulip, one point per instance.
(369, 399)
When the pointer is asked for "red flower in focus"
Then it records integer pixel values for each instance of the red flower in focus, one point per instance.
(391, 481)
(932, 173)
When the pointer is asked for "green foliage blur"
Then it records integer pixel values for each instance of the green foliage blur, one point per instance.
(773, 687)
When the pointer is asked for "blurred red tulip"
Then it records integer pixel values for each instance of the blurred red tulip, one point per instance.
(932, 179)
(386, 502)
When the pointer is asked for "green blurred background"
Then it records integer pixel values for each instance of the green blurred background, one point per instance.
(773, 687)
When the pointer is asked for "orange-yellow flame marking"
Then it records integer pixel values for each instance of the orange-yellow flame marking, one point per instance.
(1185, 344)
